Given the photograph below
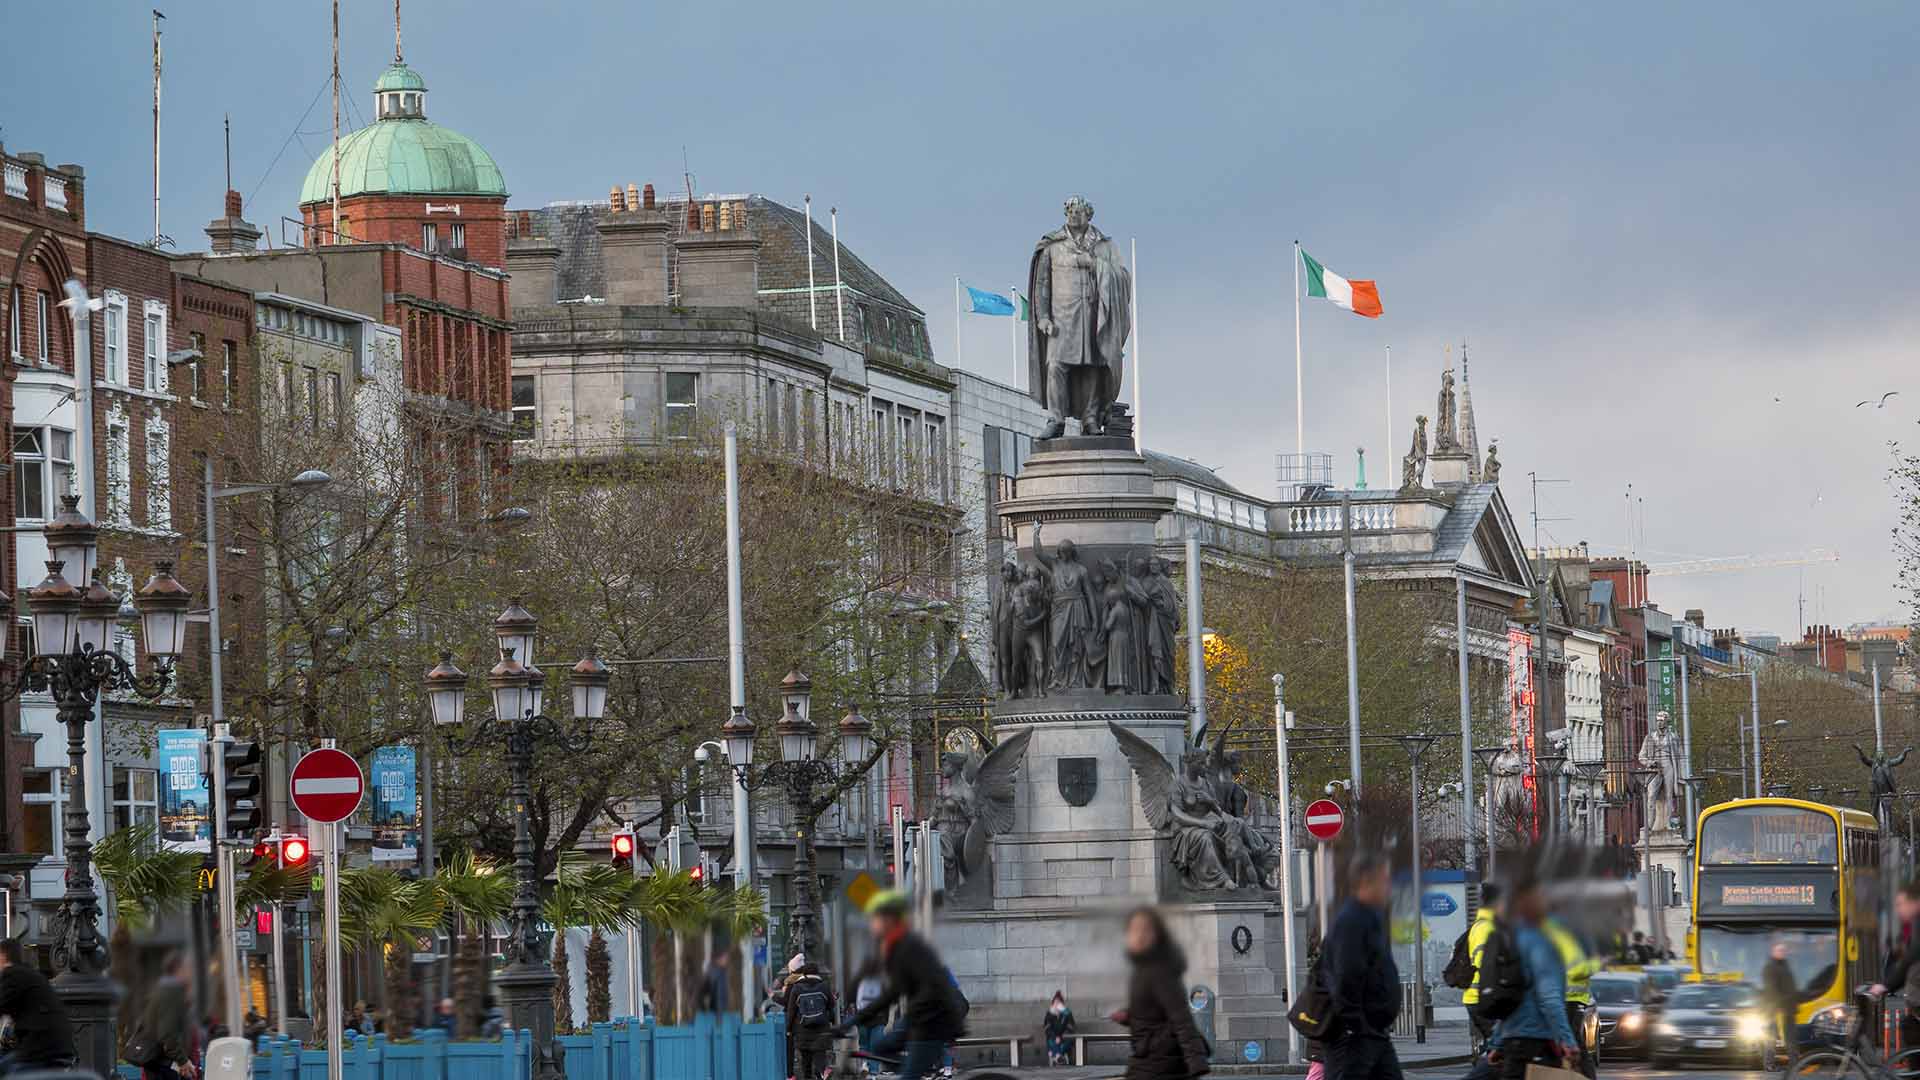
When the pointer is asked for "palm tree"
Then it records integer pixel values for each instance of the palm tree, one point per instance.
(144, 881)
(379, 907)
(589, 893)
(673, 903)
(478, 892)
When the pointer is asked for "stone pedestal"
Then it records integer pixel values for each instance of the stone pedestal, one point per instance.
(1449, 468)
(1668, 849)
(1081, 854)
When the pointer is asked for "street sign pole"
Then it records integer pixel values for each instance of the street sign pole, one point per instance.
(1280, 722)
(327, 786)
(223, 880)
(332, 943)
(1324, 819)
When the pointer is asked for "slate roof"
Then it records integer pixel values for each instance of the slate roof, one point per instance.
(1450, 539)
(1179, 468)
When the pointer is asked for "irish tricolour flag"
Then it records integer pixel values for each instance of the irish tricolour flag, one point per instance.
(1359, 297)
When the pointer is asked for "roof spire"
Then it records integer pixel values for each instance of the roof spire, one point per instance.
(397, 58)
(1469, 438)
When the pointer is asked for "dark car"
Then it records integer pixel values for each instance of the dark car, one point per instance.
(1716, 1021)
(1626, 1003)
(1665, 977)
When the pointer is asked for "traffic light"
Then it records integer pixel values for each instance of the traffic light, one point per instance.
(293, 852)
(240, 762)
(623, 848)
(698, 872)
(262, 849)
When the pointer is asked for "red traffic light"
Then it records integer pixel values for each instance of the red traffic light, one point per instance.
(263, 920)
(623, 845)
(698, 873)
(293, 851)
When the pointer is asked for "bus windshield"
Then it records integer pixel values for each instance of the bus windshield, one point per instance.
(1768, 834)
(1813, 955)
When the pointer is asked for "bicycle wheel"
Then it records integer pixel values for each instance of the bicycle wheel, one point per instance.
(1829, 1065)
(1906, 1064)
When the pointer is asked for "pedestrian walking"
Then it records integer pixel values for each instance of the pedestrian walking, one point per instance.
(161, 1042)
(1057, 1025)
(811, 1016)
(1903, 966)
(1363, 982)
(42, 1033)
(1164, 1042)
(1476, 949)
(1537, 1030)
(1780, 995)
(714, 985)
(915, 976)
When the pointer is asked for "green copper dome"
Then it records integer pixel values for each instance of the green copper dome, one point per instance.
(403, 153)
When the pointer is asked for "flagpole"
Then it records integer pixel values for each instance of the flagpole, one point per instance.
(1389, 457)
(1133, 305)
(813, 310)
(956, 322)
(1019, 379)
(1299, 405)
(839, 293)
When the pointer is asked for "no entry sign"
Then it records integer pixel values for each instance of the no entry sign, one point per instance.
(1324, 818)
(327, 785)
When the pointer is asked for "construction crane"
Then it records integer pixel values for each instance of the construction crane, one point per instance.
(1742, 562)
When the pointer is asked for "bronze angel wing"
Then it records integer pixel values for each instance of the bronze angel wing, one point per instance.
(994, 794)
(1154, 773)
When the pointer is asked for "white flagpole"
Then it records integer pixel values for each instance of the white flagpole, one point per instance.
(1389, 458)
(1133, 255)
(956, 322)
(1013, 291)
(1299, 404)
(839, 294)
(813, 312)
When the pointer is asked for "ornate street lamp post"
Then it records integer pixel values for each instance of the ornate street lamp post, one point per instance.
(74, 663)
(520, 723)
(800, 771)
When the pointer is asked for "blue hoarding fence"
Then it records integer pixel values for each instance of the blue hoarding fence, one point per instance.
(710, 1048)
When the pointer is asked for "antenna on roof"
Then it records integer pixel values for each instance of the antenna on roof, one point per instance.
(226, 125)
(396, 33)
(686, 171)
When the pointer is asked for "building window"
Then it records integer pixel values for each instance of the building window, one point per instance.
(40, 792)
(116, 339)
(936, 460)
(119, 458)
(429, 238)
(289, 392)
(683, 404)
(526, 407)
(457, 236)
(13, 323)
(336, 404)
(198, 343)
(159, 475)
(41, 328)
(226, 374)
(792, 417)
(42, 471)
(313, 399)
(136, 798)
(155, 356)
(771, 416)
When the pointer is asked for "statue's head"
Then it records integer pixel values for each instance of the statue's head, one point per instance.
(1163, 566)
(1033, 572)
(1138, 566)
(1661, 719)
(952, 764)
(1009, 573)
(1066, 550)
(1079, 211)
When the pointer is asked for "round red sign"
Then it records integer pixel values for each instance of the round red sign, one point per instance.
(327, 785)
(1324, 818)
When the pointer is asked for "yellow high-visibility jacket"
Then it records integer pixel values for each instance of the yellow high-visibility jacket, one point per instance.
(1477, 935)
(1580, 967)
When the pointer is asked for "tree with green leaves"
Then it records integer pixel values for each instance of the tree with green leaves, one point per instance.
(385, 910)
(145, 881)
(477, 893)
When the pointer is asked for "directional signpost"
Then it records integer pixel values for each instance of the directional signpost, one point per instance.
(327, 787)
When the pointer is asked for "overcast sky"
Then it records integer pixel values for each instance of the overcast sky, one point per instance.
(1678, 239)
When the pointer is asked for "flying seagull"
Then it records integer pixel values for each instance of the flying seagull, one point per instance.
(1883, 400)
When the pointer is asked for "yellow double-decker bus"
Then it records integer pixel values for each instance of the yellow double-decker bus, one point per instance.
(1787, 872)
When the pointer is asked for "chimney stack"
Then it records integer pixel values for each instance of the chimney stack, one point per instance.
(720, 268)
(534, 264)
(633, 247)
(232, 234)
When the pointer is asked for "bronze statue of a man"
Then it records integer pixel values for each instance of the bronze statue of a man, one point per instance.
(1082, 295)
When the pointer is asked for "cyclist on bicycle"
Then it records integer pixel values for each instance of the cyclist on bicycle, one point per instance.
(916, 976)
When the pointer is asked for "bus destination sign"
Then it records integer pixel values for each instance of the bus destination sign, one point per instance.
(1764, 894)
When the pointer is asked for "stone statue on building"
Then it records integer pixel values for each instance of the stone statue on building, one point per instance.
(1884, 783)
(1211, 848)
(1082, 296)
(1443, 430)
(1005, 624)
(1163, 625)
(976, 803)
(1074, 627)
(1414, 465)
(1490, 472)
(1032, 614)
(1509, 765)
(1660, 755)
(1123, 606)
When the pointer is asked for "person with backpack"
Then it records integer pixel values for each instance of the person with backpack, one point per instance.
(811, 1016)
(1579, 967)
(1361, 979)
(1523, 987)
(1463, 971)
(935, 1009)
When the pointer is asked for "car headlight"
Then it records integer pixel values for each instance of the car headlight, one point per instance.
(1631, 1021)
(1754, 1028)
(1665, 1029)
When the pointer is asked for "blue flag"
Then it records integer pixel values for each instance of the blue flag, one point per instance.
(986, 303)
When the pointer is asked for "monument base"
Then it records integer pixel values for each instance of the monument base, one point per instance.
(1664, 919)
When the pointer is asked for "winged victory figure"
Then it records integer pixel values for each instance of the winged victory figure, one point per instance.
(1180, 803)
(976, 803)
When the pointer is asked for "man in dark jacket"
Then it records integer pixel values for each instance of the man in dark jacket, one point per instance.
(935, 1011)
(714, 985)
(162, 1030)
(1780, 993)
(811, 1015)
(43, 1036)
(1361, 977)
(1903, 964)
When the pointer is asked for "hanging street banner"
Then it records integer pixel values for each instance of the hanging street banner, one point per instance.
(1669, 671)
(396, 808)
(186, 822)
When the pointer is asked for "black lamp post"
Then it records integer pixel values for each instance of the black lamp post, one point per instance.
(519, 721)
(74, 663)
(800, 771)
